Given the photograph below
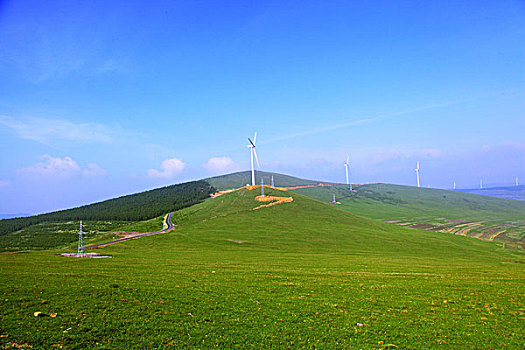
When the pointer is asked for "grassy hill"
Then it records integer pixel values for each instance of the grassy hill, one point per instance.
(431, 209)
(58, 228)
(236, 180)
(304, 274)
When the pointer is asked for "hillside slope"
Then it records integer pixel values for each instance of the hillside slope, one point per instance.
(131, 208)
(303, 225)
(432, 209)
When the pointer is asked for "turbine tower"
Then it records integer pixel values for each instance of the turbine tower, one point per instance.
(252, 153)
(517, 182)
(272, 182)
(347, 165)
(454, 185)
(80, 252)
(417, 173)
(481, 184)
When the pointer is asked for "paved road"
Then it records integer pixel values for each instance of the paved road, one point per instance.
(168, 221)
(102, 245)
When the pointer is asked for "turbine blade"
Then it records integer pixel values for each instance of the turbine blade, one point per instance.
(256, 158)
(254, 139)
(253, 145)
(348, 160)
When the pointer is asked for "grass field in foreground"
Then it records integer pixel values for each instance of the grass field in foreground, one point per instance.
(295, 275)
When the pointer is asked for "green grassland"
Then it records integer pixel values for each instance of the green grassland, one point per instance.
(304, 274)
(434, 209)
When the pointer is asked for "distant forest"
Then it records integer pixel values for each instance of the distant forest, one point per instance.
(135, 207)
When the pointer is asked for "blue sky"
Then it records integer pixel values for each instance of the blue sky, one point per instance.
(102, 98)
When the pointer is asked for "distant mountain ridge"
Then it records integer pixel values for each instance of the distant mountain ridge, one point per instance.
(507, 192)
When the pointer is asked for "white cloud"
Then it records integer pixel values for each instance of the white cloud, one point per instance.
(61, 168)
(94, 170)
(220, 165)
(47, 130)
(169, 168)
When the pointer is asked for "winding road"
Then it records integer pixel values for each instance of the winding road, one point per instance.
(102, 245)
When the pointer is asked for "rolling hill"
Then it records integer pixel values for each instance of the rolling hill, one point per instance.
(431, 209)
(57, 228)
(300, 274)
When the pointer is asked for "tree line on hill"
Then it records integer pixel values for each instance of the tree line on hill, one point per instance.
(135, 207)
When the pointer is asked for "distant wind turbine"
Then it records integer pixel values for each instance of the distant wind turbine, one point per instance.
(481, 184)
(417, 173)
(252, 153)
(517, 182)
(347, 165)
(454, 185)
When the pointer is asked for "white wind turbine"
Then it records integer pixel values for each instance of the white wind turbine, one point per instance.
(347, 165)
(252, 153)
(417, 173)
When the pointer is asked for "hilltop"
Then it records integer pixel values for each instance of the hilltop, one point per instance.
(240, 179)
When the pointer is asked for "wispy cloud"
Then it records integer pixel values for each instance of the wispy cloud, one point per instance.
(61, 168)
(169, 168)
(47, 131)
(383, 117)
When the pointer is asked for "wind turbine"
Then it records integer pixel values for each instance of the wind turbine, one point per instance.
(454, 185)
(347, 165)
(517, 182)
(252, 153)
(481, 184)
(417, 173)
